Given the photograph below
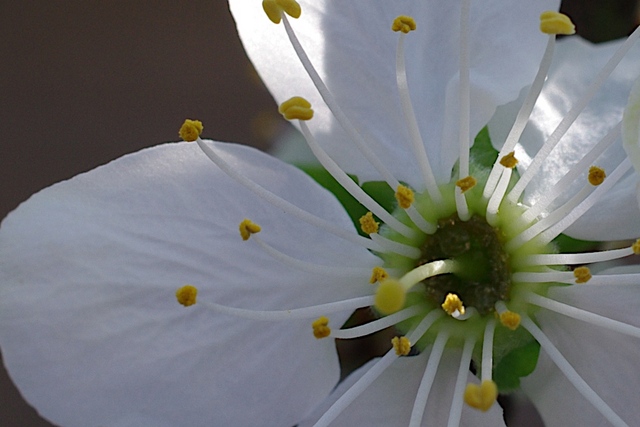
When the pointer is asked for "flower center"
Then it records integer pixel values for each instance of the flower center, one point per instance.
(483, 276)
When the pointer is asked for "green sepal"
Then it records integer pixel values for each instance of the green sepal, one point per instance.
(515, 364)
(482, 153)
(566, 244)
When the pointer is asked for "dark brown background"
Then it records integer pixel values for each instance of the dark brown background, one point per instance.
(84, 82)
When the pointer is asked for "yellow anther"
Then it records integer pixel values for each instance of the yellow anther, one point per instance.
(247, 228)
(378, 274)
(186, 295)
(481, 396)
(596, 175)
(582, 274)
(403, 23)
(510, 319)
(556, 23)
(466, 184)
(190, 130)
(321, 327)
(404, 196)
(390, 297)
(636, 247)
(368, 225)
(509, 160)
(274, 9)
(401, 345)
(296, 108)
(453, 304)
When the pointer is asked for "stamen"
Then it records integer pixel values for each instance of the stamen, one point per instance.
(463, 185)
(552, 218)
(496, 198)
(550, 276)
(307, 266)
(362, 145)
(487, 351)
(296, 108)
(417, 144)
(509, 160)
(580, 314)
(523, 115)
(378, 274)
(582, 274)
(401, 345)
(247, 228)
(295, 313)
(283, 204)
(552, 22)
(596, 175)
(579, 258)
(481, 396)
(354, 189)
(403, 23)
(321, 327)
(378, 324)
(186, 295)
(389, 245)
(424, 325)
(510, 319)
(368, 224)
(190, 130)
(404, 196)
(356, 390)
(469, 313)
(571, 116)
(563, 184)
(568, 278)
(636, 247)
(458, 394)
(275, 8)
(467, 183)
(422, 395)
(553, 232)
(570, 373)
(465, 90)
(453, 306)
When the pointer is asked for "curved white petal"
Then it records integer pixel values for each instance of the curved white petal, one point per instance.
(631, 130)
(388, 402)
(576, 64)
(353, 49)
(606, 360)
(631, 126)
(91, 331)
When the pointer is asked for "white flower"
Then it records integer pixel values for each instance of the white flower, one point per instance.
(90, 331)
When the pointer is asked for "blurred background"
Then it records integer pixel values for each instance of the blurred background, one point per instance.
(85, 82)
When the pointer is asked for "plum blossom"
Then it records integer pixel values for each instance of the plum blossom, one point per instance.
(268, 264)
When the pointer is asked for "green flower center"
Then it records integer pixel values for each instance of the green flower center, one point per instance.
(484, 277)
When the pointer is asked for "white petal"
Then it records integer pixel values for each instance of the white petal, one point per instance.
(631, 130)
(91, 331)
(576, 64)
(389, 400)
(631, 126)
(353, 49)
(606, 360)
